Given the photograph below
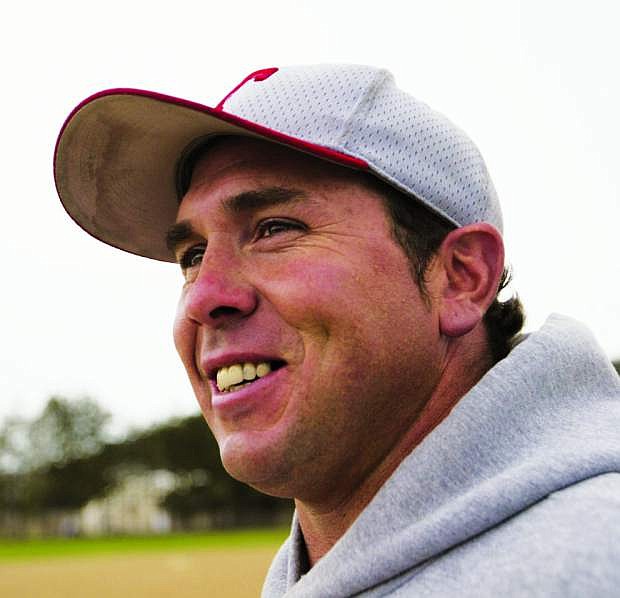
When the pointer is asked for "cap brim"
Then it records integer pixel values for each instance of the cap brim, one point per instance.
(116, 158)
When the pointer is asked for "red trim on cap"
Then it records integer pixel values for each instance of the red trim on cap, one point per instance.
(302, 144)
(260, 75)
(317, 150)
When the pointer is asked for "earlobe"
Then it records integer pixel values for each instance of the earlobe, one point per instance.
(459, 322)
(472, 259)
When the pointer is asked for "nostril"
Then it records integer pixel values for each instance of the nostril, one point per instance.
(223, 310)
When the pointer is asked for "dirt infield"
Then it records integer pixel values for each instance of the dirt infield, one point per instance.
(237, 572)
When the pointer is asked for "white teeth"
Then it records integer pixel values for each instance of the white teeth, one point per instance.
(235, 374)
(262, 369)
(232, 375)
(249, 371)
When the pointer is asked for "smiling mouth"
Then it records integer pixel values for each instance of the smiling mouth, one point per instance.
(239, 375)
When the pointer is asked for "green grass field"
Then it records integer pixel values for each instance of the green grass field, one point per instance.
(62, 547)
(218, 564)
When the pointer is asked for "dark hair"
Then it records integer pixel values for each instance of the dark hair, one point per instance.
(187, 161)
(420, 232)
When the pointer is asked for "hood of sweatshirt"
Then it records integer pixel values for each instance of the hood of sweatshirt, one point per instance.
(544, 418)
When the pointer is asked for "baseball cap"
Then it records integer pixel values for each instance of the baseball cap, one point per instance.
(117, 156)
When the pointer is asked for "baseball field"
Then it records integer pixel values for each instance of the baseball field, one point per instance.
(226, 564)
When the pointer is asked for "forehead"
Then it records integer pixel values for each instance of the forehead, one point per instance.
(227, 160)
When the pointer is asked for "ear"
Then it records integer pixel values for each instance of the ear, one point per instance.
(472, 259)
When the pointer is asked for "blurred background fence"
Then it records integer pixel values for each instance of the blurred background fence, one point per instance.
(61, 475)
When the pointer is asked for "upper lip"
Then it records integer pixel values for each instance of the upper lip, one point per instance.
(212, 364)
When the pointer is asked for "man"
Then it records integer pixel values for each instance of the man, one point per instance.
(341, 248)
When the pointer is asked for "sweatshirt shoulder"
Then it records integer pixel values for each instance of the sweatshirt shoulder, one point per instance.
(572, 534)
(588, 511)
(566, 545)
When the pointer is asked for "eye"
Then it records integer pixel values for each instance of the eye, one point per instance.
(272, 227)
(192, 257)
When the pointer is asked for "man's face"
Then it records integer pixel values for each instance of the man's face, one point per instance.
(290, 261)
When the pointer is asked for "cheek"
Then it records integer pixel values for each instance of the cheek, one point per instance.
(316, 310)
(305, 290)
(184, 334)
(332, 309)
(339, 294)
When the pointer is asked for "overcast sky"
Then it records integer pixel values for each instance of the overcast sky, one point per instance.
(535, 84)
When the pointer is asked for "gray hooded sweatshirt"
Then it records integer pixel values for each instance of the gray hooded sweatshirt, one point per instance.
(515, 493)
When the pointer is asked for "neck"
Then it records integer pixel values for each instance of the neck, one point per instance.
(324, 521)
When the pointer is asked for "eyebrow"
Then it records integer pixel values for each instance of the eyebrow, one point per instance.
(178, 233)
(262, 198)
(248, 201)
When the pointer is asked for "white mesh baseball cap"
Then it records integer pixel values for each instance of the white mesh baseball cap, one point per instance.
(117, 154)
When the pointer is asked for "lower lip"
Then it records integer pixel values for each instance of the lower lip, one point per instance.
(260, 394)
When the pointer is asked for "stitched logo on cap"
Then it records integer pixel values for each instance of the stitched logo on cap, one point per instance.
(259, 75)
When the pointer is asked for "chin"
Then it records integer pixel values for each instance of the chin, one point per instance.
(258, 464)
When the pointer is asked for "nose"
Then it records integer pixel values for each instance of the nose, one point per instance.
(220, 294)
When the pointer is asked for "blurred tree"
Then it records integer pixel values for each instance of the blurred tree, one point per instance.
(65, 431)
(64, 461)
(44, 463)
(13, 445)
